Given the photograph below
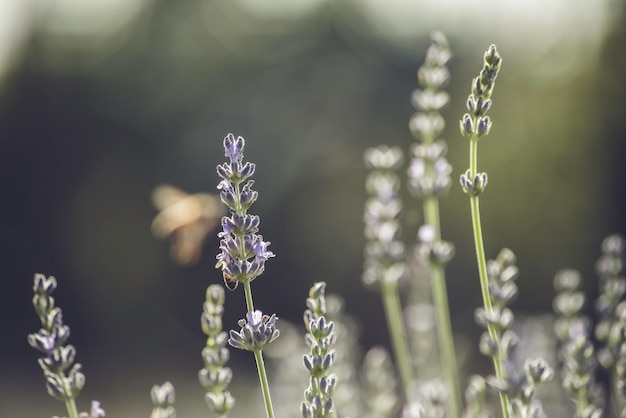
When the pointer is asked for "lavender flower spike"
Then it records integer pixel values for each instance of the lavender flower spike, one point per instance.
(242, 250)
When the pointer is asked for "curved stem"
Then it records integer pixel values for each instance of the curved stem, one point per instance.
(482, 272)
(399, 343)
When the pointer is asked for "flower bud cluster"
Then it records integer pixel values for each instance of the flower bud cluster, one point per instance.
(320, 337)
(379, 384)
(243, 251)
(257, 332)
(475, 123)
(215, 377)
(476, 398)
(64, 379)
(576, 351)
(431, 401)
(429, 172)
(473, 185)
(384, 252)
(348, 397)
(430, 248)
(502, 273)
(610, 330)
(163, 398)
(518, 384)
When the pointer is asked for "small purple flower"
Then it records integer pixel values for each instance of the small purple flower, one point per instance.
(260, 249)
(255, 319)
(257, 332)
(96, 410)
(234, 148)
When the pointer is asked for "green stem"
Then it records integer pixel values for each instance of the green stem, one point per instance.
(444, 325)
(258, 356)
(582, 403)
(247, 290)
(482, 271)
(399, 343)
(70, 405)
(265, 388)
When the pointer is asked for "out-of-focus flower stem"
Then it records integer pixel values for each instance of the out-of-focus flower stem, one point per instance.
(400, 345)
(72, 411)
(442, 307)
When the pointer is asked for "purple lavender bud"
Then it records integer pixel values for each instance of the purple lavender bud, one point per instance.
(43, 284)
(487, 346)
(484, 125)
(327, 385)
(486, 105)
(55, 387)
(53, 319)
(247, 171)
(247, 196)
(538, 370)
(467, 125)
(61, 358)
(260, 249)
(229, 199)
(75, 380)
(224, 171)
(255, 319)
(234, 147)
(42, 341)
(471, 104)
(477, 87)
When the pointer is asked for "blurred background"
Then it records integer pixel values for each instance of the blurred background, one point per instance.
(101, 101)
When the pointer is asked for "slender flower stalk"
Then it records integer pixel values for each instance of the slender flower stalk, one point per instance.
(429, 178)
(475, 125)
(385, 266)
(243, 255)
(58, 358)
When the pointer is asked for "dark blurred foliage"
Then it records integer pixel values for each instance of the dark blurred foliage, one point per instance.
(91, 124)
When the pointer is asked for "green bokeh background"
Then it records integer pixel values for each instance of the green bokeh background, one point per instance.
(100, 102)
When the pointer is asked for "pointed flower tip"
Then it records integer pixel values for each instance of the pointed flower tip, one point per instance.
(234, 147)
(254, 319)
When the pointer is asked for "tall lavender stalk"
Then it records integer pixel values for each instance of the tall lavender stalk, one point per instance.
(385, 266)
(243, 255)
(475, 125)
(429, 179)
